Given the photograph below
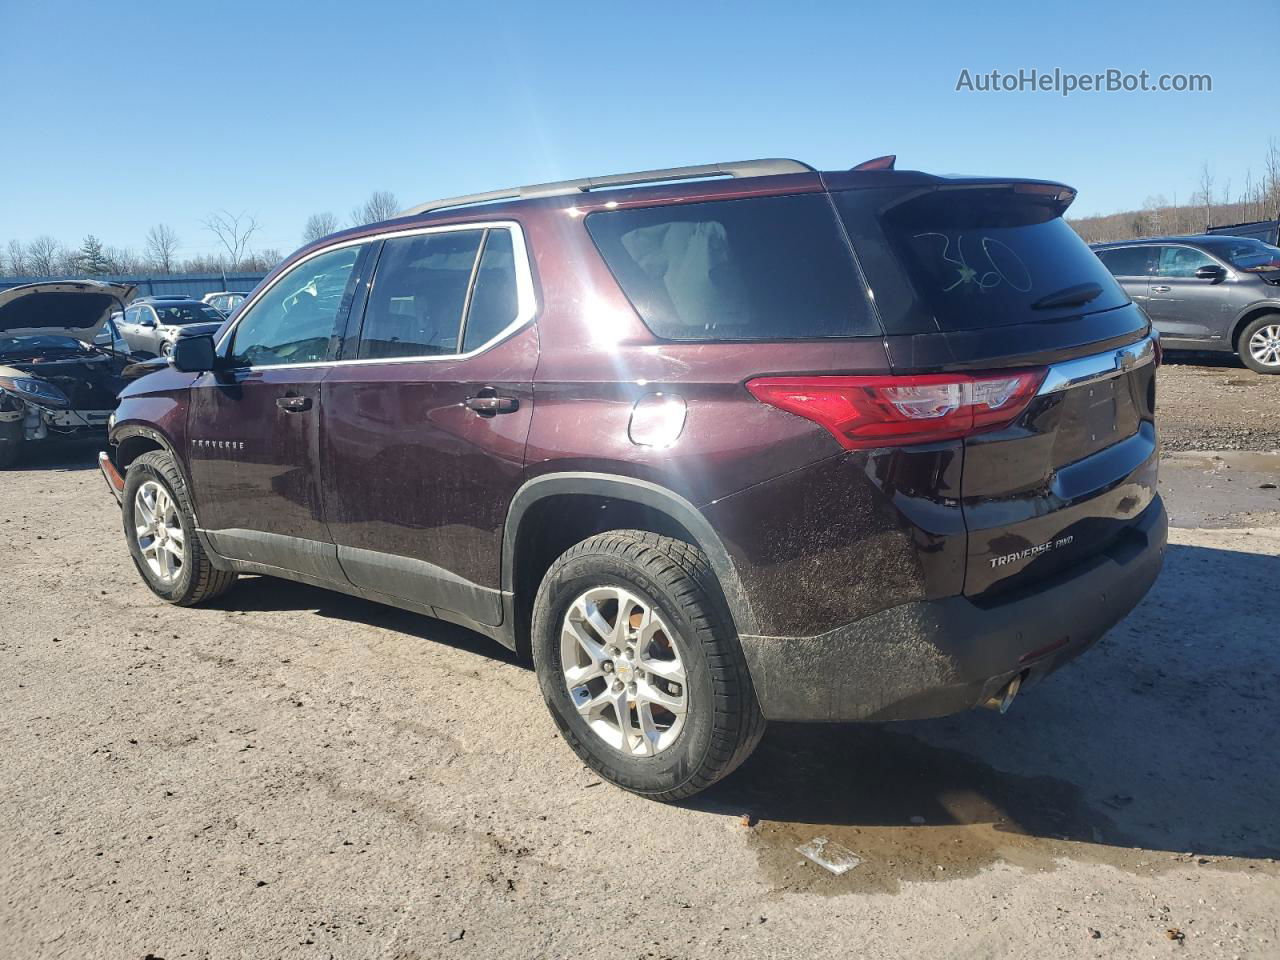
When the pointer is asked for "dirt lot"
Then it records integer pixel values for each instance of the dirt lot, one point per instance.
(298, 774)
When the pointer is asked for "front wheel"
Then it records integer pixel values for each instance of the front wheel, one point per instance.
(162, 537)
(640, 666)
(1259, 345)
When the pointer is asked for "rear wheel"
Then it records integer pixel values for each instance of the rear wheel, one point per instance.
(640, 667)
(1259, 345)
(161, 534)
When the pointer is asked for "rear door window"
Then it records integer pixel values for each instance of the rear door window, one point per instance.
(418, 295)
(495, 302)
(969, 258)
(1128, 261)
(767, 268)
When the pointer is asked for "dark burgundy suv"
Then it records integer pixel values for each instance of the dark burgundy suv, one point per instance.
(715, 446)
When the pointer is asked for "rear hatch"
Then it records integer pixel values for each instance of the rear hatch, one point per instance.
(981, 275)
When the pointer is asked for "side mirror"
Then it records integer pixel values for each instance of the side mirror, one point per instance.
(146, 322)
(194, 354)
(1211, 271)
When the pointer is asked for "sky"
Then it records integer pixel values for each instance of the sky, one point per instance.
(118, 116)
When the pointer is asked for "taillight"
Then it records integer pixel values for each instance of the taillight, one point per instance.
(886, 411)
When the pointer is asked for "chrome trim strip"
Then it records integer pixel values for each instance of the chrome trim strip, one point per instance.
(525, 296)
(1099, 366)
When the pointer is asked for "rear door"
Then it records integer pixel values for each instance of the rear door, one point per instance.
(426, 418)
(986, 277)
(254, 428)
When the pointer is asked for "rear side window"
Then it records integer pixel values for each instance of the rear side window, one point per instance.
(1128, 261)
(418, 295)
(969, 258)
(768, 268)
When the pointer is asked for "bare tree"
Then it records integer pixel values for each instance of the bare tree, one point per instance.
(381, 205)
(45, 256)
(1271, 179)
(233, 232)
(17, 258)
(162, 245)
(319, 225)
(1205, 196)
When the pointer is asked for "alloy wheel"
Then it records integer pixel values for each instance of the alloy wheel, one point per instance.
(1264, 345)
(623, 670)
(158, 531)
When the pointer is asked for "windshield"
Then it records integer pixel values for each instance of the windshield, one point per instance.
(30, 346)
(180, 314)
(1245, 254)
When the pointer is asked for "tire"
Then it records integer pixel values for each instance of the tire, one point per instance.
(1262, 356)
(720, 723)
(195, 580)
(166, 349)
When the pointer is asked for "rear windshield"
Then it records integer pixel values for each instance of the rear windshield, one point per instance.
(767, 268)
(972, 258)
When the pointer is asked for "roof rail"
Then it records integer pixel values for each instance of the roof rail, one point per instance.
(740, 168)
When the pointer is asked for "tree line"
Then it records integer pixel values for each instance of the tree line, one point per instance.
(1214, 203)
(159, 255)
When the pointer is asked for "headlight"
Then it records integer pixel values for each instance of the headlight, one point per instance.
(37, 390)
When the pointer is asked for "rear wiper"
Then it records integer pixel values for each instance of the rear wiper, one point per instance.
(1069, 297)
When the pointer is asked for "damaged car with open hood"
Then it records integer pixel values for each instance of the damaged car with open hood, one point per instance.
(59, 378)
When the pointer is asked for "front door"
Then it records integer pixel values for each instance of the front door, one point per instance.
(1183, 306)
(254, 427)
(424, 432)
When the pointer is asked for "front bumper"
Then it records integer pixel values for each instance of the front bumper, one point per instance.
(932, 658)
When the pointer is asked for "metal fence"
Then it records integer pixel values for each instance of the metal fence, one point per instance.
(191, 285)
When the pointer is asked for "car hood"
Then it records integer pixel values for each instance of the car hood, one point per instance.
(67, 308)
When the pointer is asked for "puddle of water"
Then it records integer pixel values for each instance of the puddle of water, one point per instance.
(861, 787)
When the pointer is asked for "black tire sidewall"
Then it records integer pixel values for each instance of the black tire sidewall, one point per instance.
(1242, 349)
(675, 765)
(181, 589)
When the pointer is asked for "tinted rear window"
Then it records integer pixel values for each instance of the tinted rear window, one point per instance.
(971, 258)
(768, 268)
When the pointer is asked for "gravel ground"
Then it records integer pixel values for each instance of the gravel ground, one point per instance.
(294, 773)
(1214, 402)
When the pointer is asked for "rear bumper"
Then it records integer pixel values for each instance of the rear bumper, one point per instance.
(115, 482)
(932, 658)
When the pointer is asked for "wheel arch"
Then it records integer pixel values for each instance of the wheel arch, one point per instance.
(1250, 314)
(634, 503)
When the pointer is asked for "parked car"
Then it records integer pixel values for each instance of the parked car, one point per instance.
(1205, 292)
(1268, 231)
(224, 301)
(663, 439)
(151, 325)
(55, 381)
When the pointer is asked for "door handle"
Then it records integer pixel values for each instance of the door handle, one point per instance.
(293, 404)
(1160, 288)
(488, 404)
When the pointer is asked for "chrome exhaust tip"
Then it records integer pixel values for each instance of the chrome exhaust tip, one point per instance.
(1003, 700)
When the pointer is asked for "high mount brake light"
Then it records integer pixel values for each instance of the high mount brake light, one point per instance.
(887, 411)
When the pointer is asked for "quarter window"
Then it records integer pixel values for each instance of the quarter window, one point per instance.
(1181, 262)
(294, 320)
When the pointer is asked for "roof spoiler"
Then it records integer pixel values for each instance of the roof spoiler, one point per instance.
(878, 163)
(739, 168)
